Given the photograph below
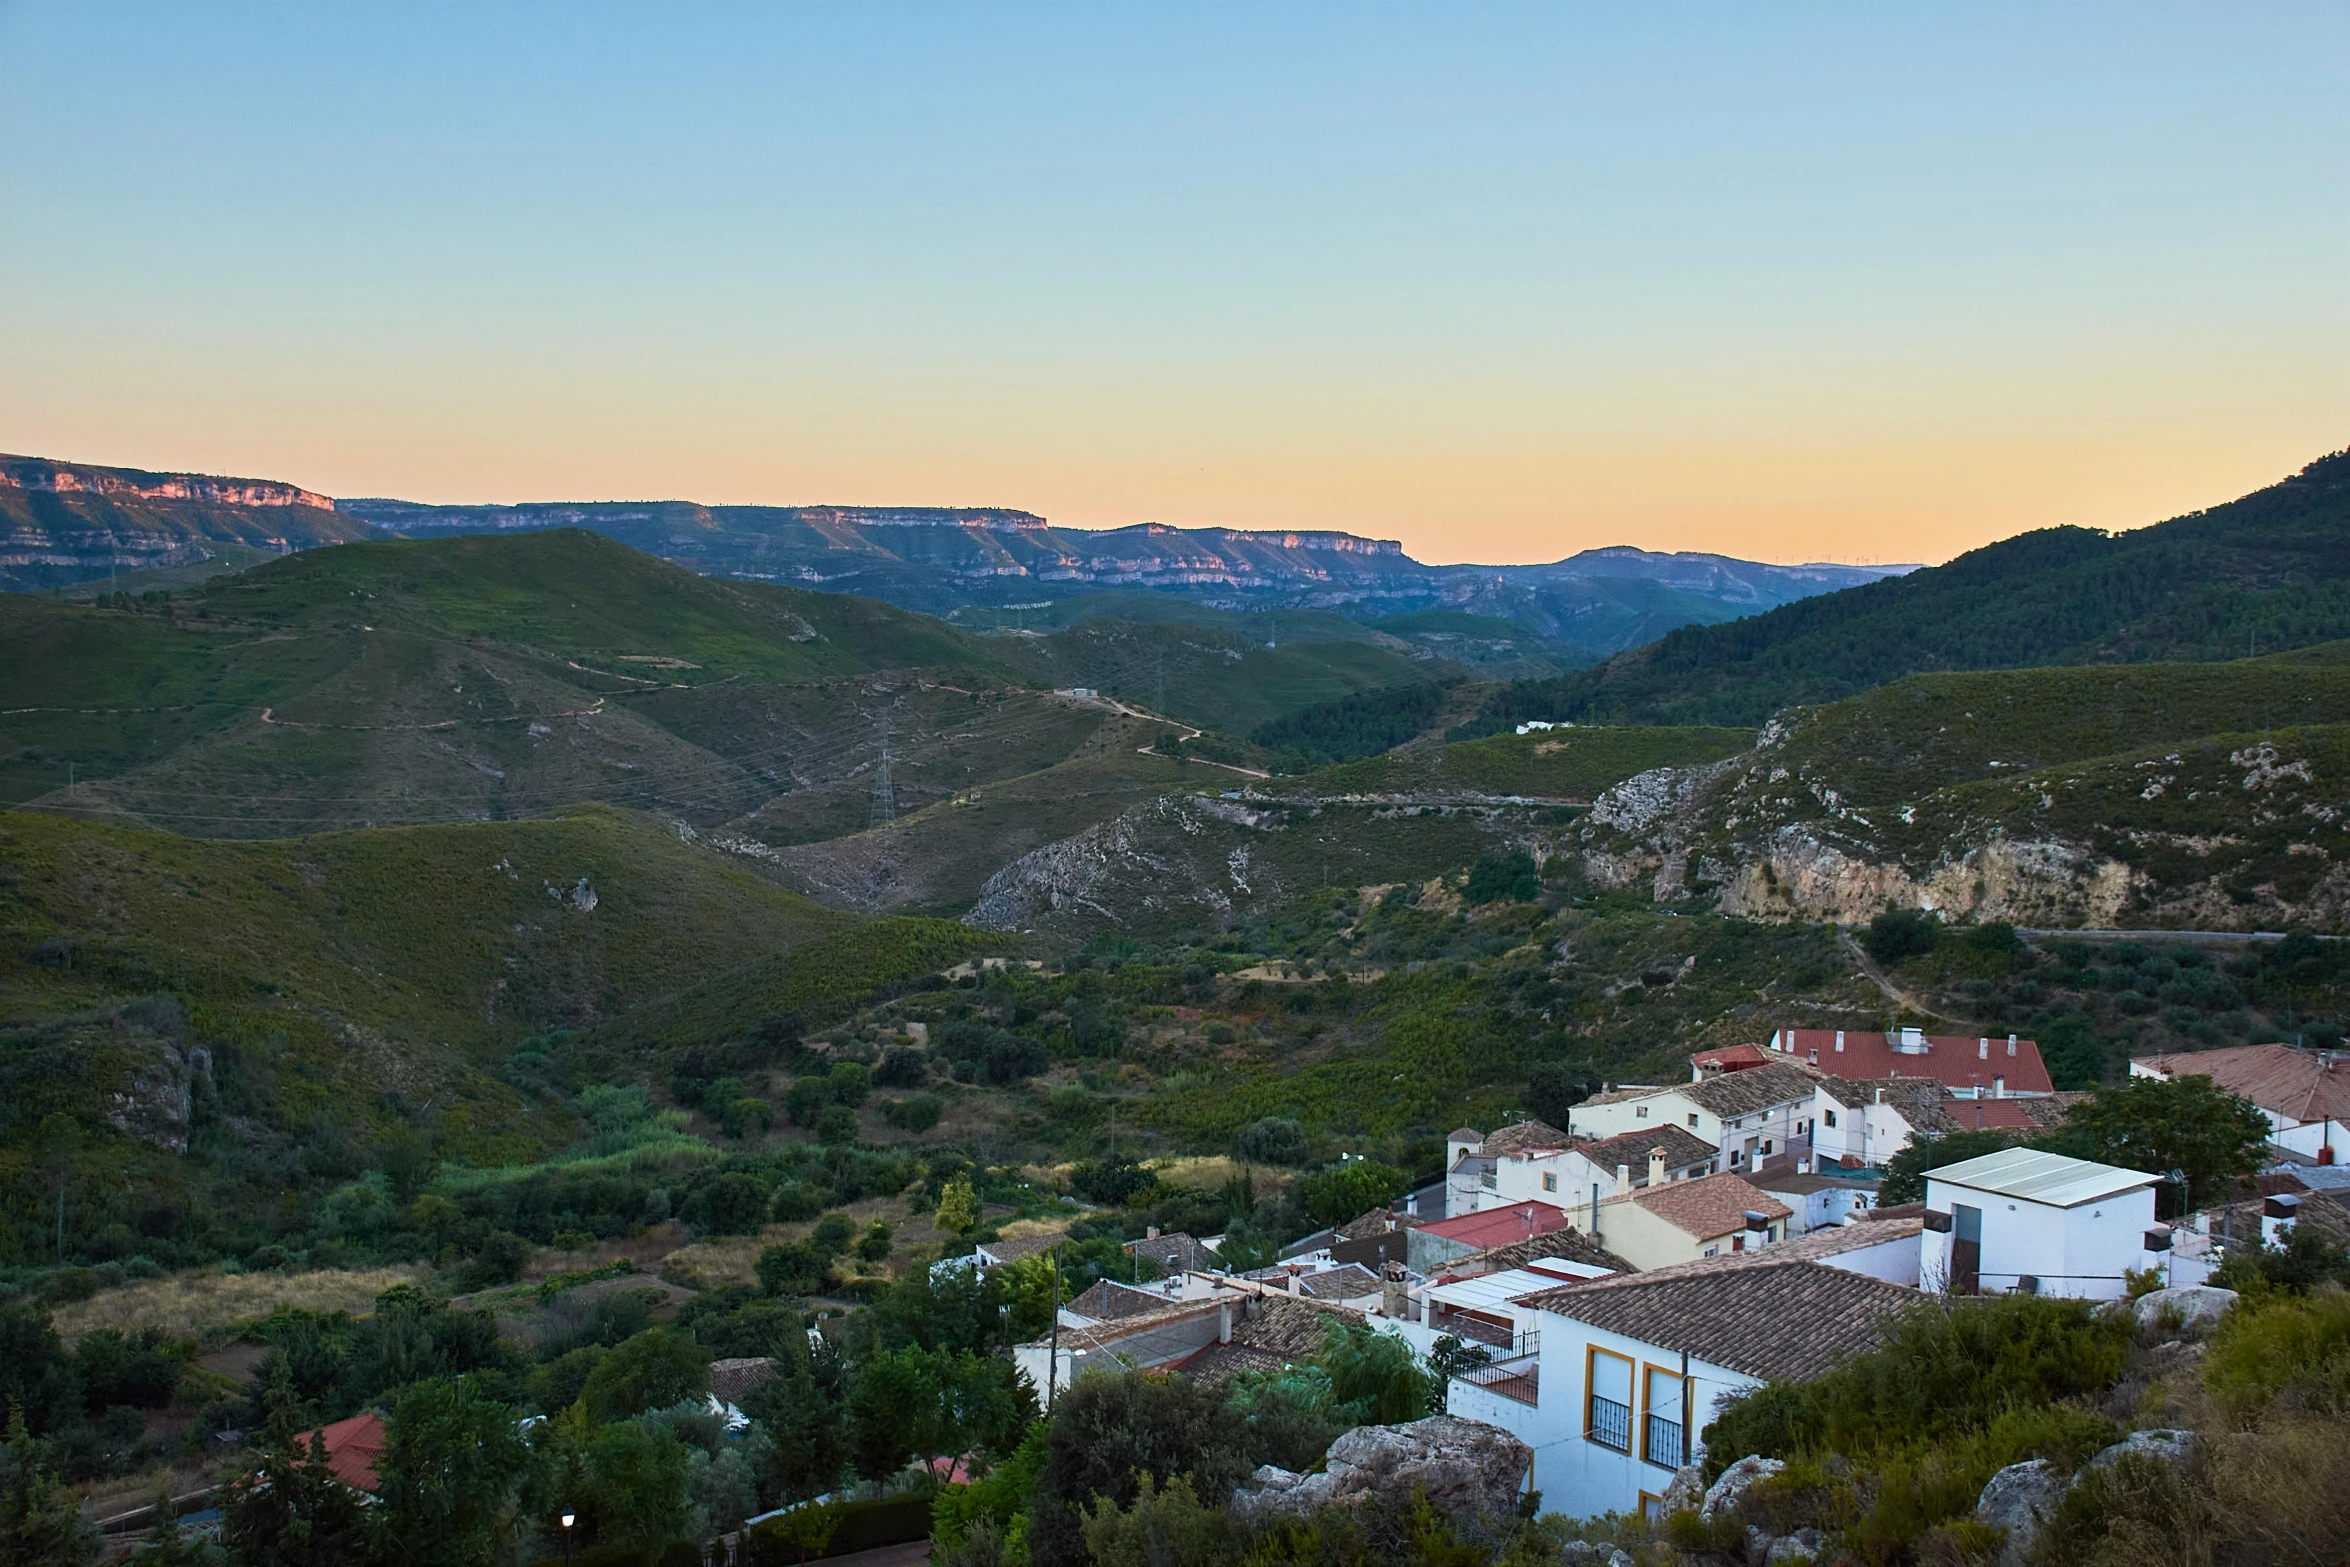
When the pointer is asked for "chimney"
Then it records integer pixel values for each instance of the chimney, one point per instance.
(1814, 1057)
(1983, 1049)
(1839, 1039)
(2277, 1218)
(1395, 1300)
(1656, 1167)
(1623, 1179)
(1150, 1232)
(1294, 1274)
(2011, 1044)
(1758, 1230)
(1913, 1042)
(1224, 1323)
(1999, 1088)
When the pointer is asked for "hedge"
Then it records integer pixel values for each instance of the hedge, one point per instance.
(895, 1520)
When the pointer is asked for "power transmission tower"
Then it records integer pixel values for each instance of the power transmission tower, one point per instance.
(885, 795)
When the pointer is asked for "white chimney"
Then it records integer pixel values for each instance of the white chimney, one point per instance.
(1656, 1167)
(1758, 1230)
(1839, 1039)
(1983, 1049)
(1913, 1042)
(1999, 1088)
(2011, 1044)
(1623, 1179)
(2277, 1218)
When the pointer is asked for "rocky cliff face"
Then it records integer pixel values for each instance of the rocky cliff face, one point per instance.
(2212, 834)
(62, 523)
(42, 474)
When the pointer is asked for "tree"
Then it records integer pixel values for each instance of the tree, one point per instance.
(37, 1377)
(652, 1370)
(1905, 1172)
(808, 1447)
(1375, 1379)
(958, 1208)
(451, 1464)
(1112, 1428)
(2186, 1124)
(1901, 933)
(57, 1145)
(637, 1482)
(1272, 1140)
(1498, 877)
(289, 1510)
(165, 1546)
(808, 1530)
(1346, 1191)
(791, 1268)
(40, 1520)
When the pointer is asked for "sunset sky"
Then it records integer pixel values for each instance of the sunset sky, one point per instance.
(1785, 281)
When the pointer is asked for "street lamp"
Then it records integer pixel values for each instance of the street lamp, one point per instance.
(568, 1537)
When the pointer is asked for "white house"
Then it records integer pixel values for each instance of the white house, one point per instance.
(2038, 1222)
(1665, 1223)
(1757, 1117)
(1627, 1371)
(2304, 1093)
(1614, 1164)
(1818, 1202)
(1970, 1066)
(1860, 1124)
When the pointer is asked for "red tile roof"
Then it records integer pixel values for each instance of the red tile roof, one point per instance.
(352, 1448)
(1953, 1060)
(1709, 1207)
(2305, 1085)
(1500, 1226)
(1732, 1058)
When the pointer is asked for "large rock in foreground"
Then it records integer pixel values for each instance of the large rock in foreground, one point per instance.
(1466, 1466)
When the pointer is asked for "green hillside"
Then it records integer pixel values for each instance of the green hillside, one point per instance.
(275, 1009)
(2268, 571)
(1561, 764)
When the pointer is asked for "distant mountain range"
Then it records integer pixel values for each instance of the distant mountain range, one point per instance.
(63, 523)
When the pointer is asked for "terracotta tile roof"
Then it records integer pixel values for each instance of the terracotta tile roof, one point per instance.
(1732, 1058)
(1106, 1300)
(1379, 1221)
(1173, 1253)
(732, 1380)
(2303, 1085)
(1757, 1088)
(1524, 1137)
(1708, 1207)
(352, 1448)
(1805, 1184)
(1020, 1247)
(1464, 1134)
(1500, 1226)
(1570, 1245)
(1289, 1327)
(1617, 1096)
(1954, 1060)
(1818, 1246)
(1682, 1148)
(1346, 1282)
(1793, 1318)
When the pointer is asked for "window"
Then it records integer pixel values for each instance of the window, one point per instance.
(1660, 1425)
(1692, 1118)
(1828, 1116)
(1640, 1112)
(1737, 1243)
(1550, 1183)
(1713, 1251)
(1607, 1413)
(1737, 1157)
(1765, 1148)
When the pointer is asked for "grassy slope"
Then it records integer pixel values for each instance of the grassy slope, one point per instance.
(2271, 569)
(1569, 764)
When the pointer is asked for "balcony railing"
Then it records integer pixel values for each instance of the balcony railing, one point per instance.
(1611, 1424)
(1664, 1442)
(1519, 1380)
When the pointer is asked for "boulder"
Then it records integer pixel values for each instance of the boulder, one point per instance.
(1804, 1545)
(1468, 1468)
(2019, 1500)
(2197, 1308)
(2170, 1447)
(1723, 1494)
(1685, 1492)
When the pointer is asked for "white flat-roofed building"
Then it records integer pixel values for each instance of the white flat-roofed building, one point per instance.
(2020, 1219)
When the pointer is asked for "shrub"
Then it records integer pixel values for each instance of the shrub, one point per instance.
(793, 1268)
(1109, 1181)
(1507, 876)
(653, 1370)
(918, 1114)
(1347, 1190)
(501, 1260)
(727, 1204)
(836, 1126)
(794, 1201)
(2283, 1347)
(902, 1066)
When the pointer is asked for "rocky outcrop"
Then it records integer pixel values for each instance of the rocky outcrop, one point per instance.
(2195, 1308)
(2158, 1445)
(58, 478)
(1723, 1495)
(1467, 1468)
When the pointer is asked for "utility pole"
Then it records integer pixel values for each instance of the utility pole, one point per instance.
(885, 797)
(1052, 1374)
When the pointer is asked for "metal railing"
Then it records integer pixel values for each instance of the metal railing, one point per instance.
(1664, 1442)
(1611, 1424)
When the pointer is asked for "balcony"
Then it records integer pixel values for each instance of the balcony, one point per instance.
(1519, 1379)
(1664, 1443)
(1610, 1424)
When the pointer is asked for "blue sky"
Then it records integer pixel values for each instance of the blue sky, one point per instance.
(1811, 281)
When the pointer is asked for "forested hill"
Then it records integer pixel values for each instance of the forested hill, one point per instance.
(2267, 572)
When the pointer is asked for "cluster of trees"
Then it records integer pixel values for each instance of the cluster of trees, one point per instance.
(1364, 724)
